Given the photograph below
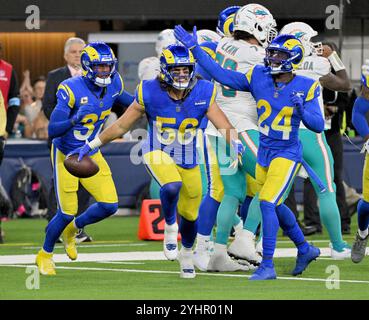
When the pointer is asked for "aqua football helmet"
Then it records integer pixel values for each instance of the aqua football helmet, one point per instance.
(97, 54)
(225, 21)
(304, 33)
(177, 56)
(284, 54)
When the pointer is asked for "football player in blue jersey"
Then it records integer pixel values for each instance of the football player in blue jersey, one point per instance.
(361, 108)
(283, 101)
(83, 105)
(174, 103)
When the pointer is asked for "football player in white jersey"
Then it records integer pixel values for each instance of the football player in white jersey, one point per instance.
(316, 151)
(253, 29)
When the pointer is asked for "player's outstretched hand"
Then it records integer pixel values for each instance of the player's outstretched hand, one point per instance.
(188, 40)
(81, 151)
(298, 102)
(239, 149)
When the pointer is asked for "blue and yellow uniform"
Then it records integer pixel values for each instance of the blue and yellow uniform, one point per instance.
(280, 109)
(170, 149)
(83, 105)
(359, 120)
(74, 94)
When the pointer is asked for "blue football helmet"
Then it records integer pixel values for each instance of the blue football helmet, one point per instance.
(93, 55)
(177, 56)
(225, 21)
(284, 54)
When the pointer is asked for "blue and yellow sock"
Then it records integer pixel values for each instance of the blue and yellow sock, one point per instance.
(188, 230)
(55, 228)
(288, 223)
(363, 215)
(169, 194)
(207, 215)
(95, 213)
(270, 230)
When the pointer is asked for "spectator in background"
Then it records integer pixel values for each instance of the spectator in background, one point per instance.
(10, 92)
(9, 104)
(72, 54)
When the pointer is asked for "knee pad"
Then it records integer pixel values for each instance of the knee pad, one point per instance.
(108, 208)
(171, 190)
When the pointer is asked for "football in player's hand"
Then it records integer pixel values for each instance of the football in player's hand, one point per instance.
(327, 51)
(85, 168)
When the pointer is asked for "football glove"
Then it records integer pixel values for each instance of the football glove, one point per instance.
(81, 151)
(188, 40)
(298, 102)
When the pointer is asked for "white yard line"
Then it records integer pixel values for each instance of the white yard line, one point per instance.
(198, 273)
(129, 256)
(96, 245)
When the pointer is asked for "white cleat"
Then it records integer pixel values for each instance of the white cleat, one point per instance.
(170, 244)
(201, 259)
(185, 258)
(243, 247)
(342, 255)
(222, 262)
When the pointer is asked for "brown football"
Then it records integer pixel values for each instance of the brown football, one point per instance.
(85, 168)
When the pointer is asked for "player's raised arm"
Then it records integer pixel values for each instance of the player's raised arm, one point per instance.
(221, 122)
(116, 130)
(339, 81)
(233, 79)
(361, 106)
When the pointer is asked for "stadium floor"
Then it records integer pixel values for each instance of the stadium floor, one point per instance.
(116, 265)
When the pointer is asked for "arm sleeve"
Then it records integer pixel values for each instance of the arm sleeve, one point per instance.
(60, 120)
(13, 95)
(125, 99)
(233, 79)
(312, 117)
(361, 107)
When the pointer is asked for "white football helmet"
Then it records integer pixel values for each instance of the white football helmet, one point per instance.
(165, 39)
(206, 35)
(256, 20)
(304, 33)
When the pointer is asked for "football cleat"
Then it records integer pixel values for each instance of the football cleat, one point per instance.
(264, 273)
(170, 244)
(222, 262)
(185, 259)
(45, 263)
(303, 260)
(345, 253)
(243, 247)
(201, 259)
(69, 240)
(359, 248)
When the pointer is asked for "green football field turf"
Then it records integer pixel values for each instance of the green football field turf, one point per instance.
(159, 279)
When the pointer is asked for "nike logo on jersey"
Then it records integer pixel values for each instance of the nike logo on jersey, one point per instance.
(200, 103)
(64, 97)
(115, 94)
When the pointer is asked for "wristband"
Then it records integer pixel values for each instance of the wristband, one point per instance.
(336, 62)
(95, 143)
